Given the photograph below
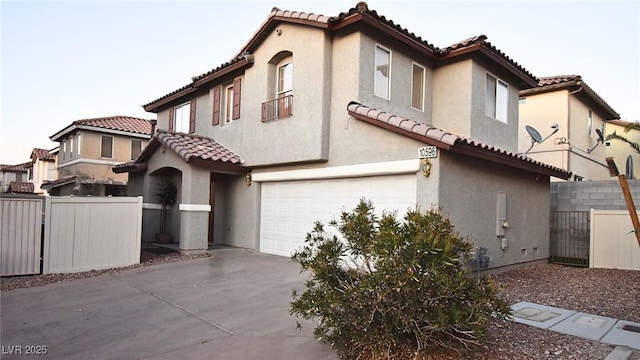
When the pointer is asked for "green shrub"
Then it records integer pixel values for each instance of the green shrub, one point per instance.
(391, 287)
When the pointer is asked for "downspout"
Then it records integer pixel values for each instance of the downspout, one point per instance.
(569, 124)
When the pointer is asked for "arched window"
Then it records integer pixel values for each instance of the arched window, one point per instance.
(629, 168)
(280, 92)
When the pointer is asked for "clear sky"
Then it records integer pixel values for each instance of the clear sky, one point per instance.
(64, 61)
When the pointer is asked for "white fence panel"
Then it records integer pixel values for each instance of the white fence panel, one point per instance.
(20, 236)
(613, 244)
(87, 233)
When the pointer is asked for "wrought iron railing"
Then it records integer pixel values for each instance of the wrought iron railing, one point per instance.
(277, 108)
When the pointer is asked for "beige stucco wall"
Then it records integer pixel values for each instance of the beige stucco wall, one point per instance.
(620, 150)
(89, 163)
(569, 147)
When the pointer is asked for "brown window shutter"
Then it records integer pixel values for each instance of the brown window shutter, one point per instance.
(236, 99)
(216, 106)
(192, 116)
(171, 119)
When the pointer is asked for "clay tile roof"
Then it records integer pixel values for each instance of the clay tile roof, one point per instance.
(448, 141)
(196, 149)
(190, 147)
(573, 82)
(621, 122)
(121, 123)
(43, 154)
(15, 168)
(20, 187)
(464, 43)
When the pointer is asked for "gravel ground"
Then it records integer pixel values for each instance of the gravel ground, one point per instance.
(605, 292)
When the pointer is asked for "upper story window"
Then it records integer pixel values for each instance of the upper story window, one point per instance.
(226, 102)
(590, 123)
(417, 87)
(64, 150)
(78, 145)
(181, 116)
(497, 98)
(382, 72)
(71, 148)
(280, 104)
(136, 148)
(106, 146)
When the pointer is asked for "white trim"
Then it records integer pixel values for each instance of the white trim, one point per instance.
(153, 206)
(370, 169)
(194, 207)
(90, 161)
(388, 97)
(424, 80)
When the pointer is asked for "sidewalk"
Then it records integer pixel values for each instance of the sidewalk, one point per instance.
(593, 327)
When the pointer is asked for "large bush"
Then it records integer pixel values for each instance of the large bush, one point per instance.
(389, 288)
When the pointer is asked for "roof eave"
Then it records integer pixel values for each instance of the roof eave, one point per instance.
(63, 132)
(503, 159)
(242, 64)
(386, 29)
(155, 106)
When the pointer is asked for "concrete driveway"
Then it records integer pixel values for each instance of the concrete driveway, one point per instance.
(234, 305)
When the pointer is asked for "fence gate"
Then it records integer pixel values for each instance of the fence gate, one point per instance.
(20, 235)
(569, 238)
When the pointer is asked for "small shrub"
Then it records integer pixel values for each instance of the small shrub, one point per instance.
(392, 287)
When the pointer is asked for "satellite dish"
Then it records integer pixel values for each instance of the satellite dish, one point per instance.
(535, 135)
(600, 136)
(598, 142)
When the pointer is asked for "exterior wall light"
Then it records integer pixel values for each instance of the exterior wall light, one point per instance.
(247, 179)
(426, 167)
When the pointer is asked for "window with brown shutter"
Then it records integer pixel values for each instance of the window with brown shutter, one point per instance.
(236, 99)
(216, 106)
(192, 117)
(171, 119)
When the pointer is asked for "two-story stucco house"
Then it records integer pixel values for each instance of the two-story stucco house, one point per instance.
(43, 168)
(14, 177)
(316, 112)
(580, 114)
(624, 155)
(89, 148)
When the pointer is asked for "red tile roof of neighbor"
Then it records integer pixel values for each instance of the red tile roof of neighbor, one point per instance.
(620, 122)
(361, 13)
(20, 187)
(15, 168)
(573, 83)
(448, 141)
(193, 149)
(43, 154)
(123, 123)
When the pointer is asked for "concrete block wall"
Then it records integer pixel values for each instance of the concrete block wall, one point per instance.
(586, 195)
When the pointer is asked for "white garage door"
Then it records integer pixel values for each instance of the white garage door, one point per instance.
(290, 208)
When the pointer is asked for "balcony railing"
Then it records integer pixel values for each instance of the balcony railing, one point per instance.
(278, 108)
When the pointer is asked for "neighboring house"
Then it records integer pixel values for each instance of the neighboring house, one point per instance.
(580, 113)
(623, 154)
(89, 148)
(316, 112)
(13, 173)
(43, 168)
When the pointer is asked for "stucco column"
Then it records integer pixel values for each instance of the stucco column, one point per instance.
(194, 211)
